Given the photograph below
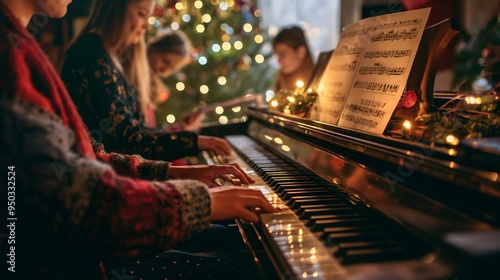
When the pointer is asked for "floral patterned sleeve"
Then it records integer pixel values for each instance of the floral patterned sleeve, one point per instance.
(133, 166)
(109, 106)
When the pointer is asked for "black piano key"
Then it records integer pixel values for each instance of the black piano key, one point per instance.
(314, 193)
(307, 213)
(302, 208)
(296, 203)
(280, 188)
(375, 255)
(341, 249)
(321, 224)
(337, 238)
(288, 194)
(361, 228)
(262, 171)
(270, 175)
(315, 218)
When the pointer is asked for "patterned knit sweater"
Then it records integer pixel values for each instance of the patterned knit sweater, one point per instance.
(72, 211)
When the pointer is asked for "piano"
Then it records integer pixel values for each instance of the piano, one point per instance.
(364, 206)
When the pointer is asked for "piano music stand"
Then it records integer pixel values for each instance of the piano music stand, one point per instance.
(423, 72)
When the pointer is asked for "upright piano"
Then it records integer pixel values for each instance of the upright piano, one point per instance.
(364, 206)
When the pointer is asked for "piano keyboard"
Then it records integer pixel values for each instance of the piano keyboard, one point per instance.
(321, 231)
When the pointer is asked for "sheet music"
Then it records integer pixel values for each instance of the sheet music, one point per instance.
(336, 81)
(368, 71)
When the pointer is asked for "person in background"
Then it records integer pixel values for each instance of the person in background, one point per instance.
(167, 54)
(73, 210)
(106, 72)
(294, 57)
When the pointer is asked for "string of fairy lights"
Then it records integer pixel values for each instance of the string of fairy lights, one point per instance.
(218, 38)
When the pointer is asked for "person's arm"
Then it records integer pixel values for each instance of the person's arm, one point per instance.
(133, 166)
(110, 108)
(93, 206)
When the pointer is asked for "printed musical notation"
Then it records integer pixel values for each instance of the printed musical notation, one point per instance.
(360, 120)
(392, 35)
(381, 69)
(346, 50)
(346, 67)
(375, 86)
(355, 32)
(368, 71)
(416, 22)
(387, 54)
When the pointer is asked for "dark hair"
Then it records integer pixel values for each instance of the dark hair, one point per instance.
(172, 42)
(293, 37)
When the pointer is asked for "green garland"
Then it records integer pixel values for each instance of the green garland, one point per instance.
(461, 120)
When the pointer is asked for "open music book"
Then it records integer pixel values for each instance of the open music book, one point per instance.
(368, 71)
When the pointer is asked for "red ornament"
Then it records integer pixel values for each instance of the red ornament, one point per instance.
(159, 12)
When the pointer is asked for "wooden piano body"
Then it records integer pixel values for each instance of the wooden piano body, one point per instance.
(364, 206)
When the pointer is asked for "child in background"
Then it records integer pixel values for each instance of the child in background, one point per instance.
(167, 54)
(294, 57)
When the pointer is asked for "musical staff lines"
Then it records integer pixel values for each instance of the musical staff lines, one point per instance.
(375, 86)
(392, 35)
(387, 54)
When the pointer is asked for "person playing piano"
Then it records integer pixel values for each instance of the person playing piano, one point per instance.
(107, 75)
(72, 210)
(295, 59)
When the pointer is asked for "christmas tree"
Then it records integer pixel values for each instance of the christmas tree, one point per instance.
(229, 60)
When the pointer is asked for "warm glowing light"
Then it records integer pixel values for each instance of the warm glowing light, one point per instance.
(237, 109)
(226, 38)
(223, 120)
(226, 46)
(230, 3)
(268, 137)
(278, 141)
(291, 99)
(204, 89)
(216, 48)
(202, 60)
(258, 39)
(452, 152)
(186, 18)
(151, 20)
(179, 6)
(238, 45)
(222, 80)
(180, 86)
(269, 95)
(285, 148)
(259, 58)
(299, 84)
(170, 118)
(200, 28)
(219, 110)
(174, 26)
(206, 18)
(223, 6)
(274, 103)
(452, 139)
(247, 27)
(407, 124)
(198, 4)
(257, 13)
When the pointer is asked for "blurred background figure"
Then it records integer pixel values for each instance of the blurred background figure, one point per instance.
(294, 57)
(167, 54)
